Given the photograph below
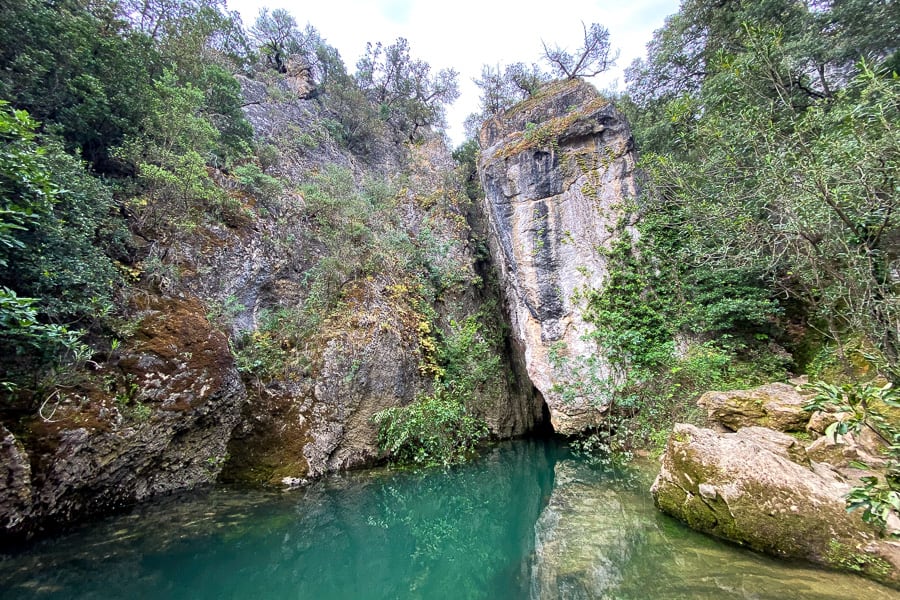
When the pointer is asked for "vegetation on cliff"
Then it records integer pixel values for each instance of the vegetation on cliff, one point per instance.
(128, 163)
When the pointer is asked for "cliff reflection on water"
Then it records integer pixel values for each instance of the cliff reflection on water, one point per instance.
(525, 519)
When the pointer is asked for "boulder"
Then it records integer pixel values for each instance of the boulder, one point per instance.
(557, 172)
(748, 487)
(777, 406)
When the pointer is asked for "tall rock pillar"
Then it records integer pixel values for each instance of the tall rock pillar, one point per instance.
(557, 170)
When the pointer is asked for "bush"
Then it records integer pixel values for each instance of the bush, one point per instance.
(443, 428)
(434, 430)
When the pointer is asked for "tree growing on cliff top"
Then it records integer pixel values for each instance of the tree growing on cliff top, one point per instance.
(594, 57)
(408, 96)
(277, 37)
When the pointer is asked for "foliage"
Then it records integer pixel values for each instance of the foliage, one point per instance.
(466, 156)
(501, 89)
(53, 217)
(262, 352)
(863, 406)
(409, 98)
(176, 144)
(435, 429)
(443, 427)
(23, 332)
(47, 236)
(84, 71)
(594, 56)
(277, 37)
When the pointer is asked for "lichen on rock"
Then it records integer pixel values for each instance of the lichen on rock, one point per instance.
(757, 487)
(557, 171)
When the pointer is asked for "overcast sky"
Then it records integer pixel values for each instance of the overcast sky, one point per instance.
(466, 34)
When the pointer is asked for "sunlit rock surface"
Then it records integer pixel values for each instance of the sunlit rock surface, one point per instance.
(556, 170)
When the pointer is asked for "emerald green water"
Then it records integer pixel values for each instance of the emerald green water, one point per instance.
(524, 520)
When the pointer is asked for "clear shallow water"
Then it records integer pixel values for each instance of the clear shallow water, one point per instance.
(524, 520)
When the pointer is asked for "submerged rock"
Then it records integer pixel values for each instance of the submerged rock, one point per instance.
(757, 487)
(556, 171)
(584, 537)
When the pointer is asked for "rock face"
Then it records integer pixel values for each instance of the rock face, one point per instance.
(758, 487)
(555, 170)
(169, 410)
(318, 418)
(155, 419)
(777, 406)
(15, 483)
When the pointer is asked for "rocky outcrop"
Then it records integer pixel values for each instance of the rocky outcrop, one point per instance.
(777, 406)
(316, 415)
(556, 171)
(154, 419)
(758, 487)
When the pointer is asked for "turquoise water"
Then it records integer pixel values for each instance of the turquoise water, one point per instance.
(524, 520)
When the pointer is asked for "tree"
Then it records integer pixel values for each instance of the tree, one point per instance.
(776, 164)
(277, 37)
(501, 89)
(594, 57)
(408, 96)
(54, 221)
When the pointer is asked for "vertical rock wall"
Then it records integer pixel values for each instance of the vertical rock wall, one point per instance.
(556, 170)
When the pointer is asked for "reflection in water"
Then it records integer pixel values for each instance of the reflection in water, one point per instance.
(524, 519)
(459, 533)
(600, 537)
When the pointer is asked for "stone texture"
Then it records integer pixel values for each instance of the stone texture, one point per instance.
(778, 406)
(556, 171)
(768, 501)
(156, 418)
(366, 357)
(15, 483)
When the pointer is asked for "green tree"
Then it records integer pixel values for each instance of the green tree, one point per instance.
(84, 73)
(54, 218)
(277, 36)
(409, 98)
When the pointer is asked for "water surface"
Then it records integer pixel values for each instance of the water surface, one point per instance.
(526, 519)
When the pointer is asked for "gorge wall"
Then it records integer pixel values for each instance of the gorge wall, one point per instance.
(219, 371)
(215, 377)
(556, 171)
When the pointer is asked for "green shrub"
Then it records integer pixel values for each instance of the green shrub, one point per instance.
(444, 427)
(436, 429)
(866, 406)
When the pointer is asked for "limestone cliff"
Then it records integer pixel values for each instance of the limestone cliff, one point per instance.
(154, 418)
(256, 342)
(556, 170)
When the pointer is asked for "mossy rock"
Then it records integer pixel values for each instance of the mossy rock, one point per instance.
(750, 488)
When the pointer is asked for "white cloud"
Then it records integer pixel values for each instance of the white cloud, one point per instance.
(467, 34)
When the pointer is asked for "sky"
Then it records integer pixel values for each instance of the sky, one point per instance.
(466, 34)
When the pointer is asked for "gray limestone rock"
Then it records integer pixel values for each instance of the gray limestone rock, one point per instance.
(556, 170)
(769, 497)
